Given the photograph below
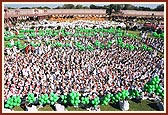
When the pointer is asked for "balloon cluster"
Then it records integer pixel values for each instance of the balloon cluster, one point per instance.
(31, 98)
(80, 46)
(58, 44)
(90, 48)
(102, 46)
(13, 101)
(120, 34)
(106, 99)
(48, 43)
(64, 99)
(119, 96)
(85, 100)
(95, 102)
(53, 98)
(127, 46)
(162, 35)
(154, 87)
(132, 47)
(109, 44)
(67, 45)
(134, 93)
(17, 44)
(155, 34)
(97, 43)
(7, 38)
(43, 99)
(74, 98)
(35, 45)
(9, 45)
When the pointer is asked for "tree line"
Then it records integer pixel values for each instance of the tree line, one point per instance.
(109, 8)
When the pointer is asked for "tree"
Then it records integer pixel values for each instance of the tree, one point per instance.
(58, 7)
(109, 9)
(159, 8)
(79, 6)
(85, 7)
(93, 6)
(45, 7)
(144, 8)
(10, 8)
(25, 8)
(129, 7)
(68, 6)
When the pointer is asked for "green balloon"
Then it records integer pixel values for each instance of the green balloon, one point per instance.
(31, 101)
(153, 82)
(77, 94)
(29, 98)
(55, 100)
(71, 94)
(48, 101)
(11, 103)
(6, 105)
(34, 99)
(86, 99)
(72, 101)
(14, 104)
(65, 101)
(10, 107)
(32, 95)
(95, 106)
(83, 98)
(42, 100)
(162, 94)
(52, 103)
(106, 103)
(108, 95)
(19, 100)
(106, 98)
(160, 91)
(51, 98)
(45, 95)
(52, 94)
(93, 102)
(8, 102)
(117, 96)
(84, 102)
(62, 96)
(42, 96)
(77, 98)
(45, 101)
(113, 98)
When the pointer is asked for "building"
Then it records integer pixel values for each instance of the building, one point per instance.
(18, 14)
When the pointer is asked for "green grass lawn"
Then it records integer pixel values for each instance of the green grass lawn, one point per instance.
(145, 105)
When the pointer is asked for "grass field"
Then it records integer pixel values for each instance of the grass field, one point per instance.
(145, 105)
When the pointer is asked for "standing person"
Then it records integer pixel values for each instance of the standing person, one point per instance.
(27, 49)
(146, 41)
(61, 37)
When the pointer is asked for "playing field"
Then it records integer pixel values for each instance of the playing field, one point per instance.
(145, 105)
